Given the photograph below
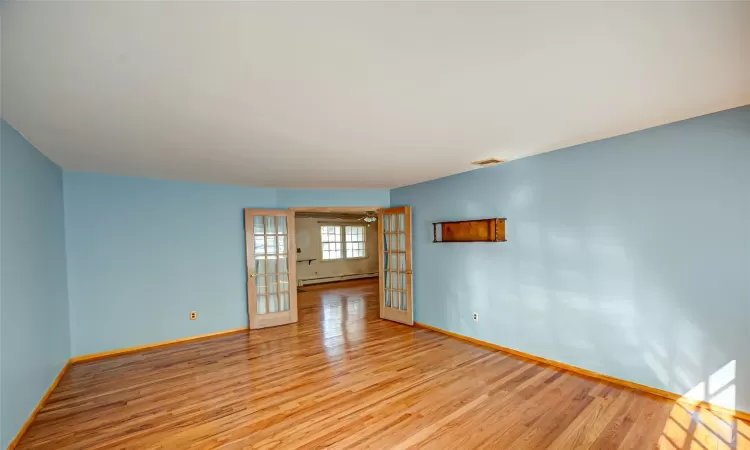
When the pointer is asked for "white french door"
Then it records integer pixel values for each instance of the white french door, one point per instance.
(271, 276)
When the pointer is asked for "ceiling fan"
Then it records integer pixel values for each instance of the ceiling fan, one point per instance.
(369, 217)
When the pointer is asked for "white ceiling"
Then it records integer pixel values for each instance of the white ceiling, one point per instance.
(368, 95)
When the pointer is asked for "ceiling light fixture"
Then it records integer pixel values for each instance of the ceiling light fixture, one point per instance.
(370, 216)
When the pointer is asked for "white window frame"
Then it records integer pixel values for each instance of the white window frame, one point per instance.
(324, 248)
(363, 242)
(343, 243)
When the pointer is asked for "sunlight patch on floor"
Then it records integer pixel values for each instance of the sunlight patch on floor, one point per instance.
(693, 427)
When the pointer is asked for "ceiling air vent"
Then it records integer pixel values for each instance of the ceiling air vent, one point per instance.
(488, 162)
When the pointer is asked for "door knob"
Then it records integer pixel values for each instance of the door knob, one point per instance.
(252, 275)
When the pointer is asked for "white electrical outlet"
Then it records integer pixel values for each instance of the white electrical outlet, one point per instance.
(476, 317)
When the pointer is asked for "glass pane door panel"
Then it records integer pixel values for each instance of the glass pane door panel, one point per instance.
(281, 220)
(283, 283)
(272, 284)
(261, 302)
(260, 284)
(270, 225)
(258, 226)
(272, 305)
(284, 300)
(260, 264)
(271, 245)
(271, 264)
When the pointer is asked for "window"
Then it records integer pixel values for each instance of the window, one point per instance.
(330, 237)
(339, 242)
(355, 241)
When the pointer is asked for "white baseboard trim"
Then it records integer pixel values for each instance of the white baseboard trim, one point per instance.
(317, 280)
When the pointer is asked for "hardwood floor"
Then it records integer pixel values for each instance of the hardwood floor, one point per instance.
(342, 378)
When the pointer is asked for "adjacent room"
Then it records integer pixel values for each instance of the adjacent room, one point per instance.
(387, 225)
(336, 246)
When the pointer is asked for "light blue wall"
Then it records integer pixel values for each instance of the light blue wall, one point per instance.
(34, 310)
(143, 253)
(628, 256)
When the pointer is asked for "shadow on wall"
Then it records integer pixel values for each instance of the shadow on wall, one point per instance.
(627, 256)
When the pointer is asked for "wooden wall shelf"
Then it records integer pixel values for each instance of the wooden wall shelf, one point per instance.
(308, 261)
(482, 230)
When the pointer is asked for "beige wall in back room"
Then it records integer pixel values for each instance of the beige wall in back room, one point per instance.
(308, 241)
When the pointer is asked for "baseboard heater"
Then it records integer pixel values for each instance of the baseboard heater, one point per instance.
(352, 276)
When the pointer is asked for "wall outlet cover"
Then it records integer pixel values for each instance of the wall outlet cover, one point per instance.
(476, 317)
(193, 315)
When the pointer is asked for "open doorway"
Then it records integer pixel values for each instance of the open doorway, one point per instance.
(338, 285)
(291, 250)
(335, 246)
